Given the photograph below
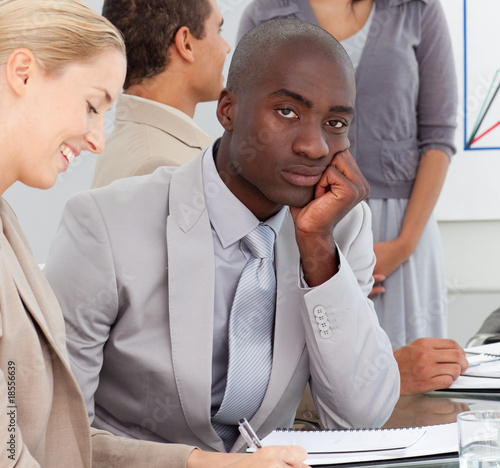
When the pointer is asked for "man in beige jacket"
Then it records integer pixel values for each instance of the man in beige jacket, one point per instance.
(175, 56)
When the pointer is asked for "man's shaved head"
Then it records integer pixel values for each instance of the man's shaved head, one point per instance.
(258, 48)
(286, 110)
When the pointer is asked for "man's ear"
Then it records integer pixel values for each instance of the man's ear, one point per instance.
(20, 68)
(226, 108)
(184, 44)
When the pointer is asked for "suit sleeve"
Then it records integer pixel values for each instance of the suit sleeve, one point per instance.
(354, 376)
(88, 296)
(109, 451)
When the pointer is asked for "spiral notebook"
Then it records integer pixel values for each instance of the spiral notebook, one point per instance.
(351, 446)
(346, 441)
(480, 377)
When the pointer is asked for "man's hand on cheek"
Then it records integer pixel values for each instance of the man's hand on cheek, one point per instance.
(339, 190)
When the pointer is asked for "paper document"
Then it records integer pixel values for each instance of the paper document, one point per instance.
(326, 447)
(344, 441)
(485, 369)
(492, 349)
(483, 373)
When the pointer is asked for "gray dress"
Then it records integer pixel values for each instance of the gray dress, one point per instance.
(406, 105)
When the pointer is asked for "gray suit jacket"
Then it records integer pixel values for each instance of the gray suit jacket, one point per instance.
(132, 265)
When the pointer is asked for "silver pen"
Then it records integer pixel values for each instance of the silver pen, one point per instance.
(251, 438)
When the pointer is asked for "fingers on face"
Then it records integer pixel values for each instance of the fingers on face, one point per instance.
(348, 162)
(343, 172)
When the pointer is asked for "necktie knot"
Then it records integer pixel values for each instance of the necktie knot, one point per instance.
(260, 241)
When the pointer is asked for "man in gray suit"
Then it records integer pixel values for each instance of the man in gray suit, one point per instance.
(175, 55)
(146, 269)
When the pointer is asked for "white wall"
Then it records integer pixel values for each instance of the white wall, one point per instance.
(472, 248)
(471, 191)
(472, 259)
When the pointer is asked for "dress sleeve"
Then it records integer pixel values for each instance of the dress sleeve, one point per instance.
(437, 100)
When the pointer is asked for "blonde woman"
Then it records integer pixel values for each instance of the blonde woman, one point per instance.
(61, 68)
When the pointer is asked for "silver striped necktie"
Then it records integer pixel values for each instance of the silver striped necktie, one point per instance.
(251, 327)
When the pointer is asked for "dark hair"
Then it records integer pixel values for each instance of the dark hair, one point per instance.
(259, 45)
(149, 28)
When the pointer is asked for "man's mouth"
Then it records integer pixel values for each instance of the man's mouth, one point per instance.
(303, 175)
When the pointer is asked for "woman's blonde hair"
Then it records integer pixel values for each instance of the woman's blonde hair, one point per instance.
(57, 32)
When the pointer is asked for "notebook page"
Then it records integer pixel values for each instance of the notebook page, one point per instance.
(344, 441)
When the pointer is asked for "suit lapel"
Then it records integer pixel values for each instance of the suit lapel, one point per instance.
(289, 340)
(21, 266)
(191, 298)
(191, 268)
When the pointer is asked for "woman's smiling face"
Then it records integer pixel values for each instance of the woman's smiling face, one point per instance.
(64, 115)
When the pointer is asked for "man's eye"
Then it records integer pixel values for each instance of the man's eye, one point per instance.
(288, 113)
(336, 123)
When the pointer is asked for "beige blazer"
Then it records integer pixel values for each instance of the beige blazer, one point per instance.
(43, 419)
(147, 135)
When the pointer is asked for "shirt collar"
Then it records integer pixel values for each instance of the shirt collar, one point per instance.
(230, 219)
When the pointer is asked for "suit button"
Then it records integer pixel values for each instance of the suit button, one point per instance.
(322, 319)
(324, 326)
(326, 333)
(319, 311)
